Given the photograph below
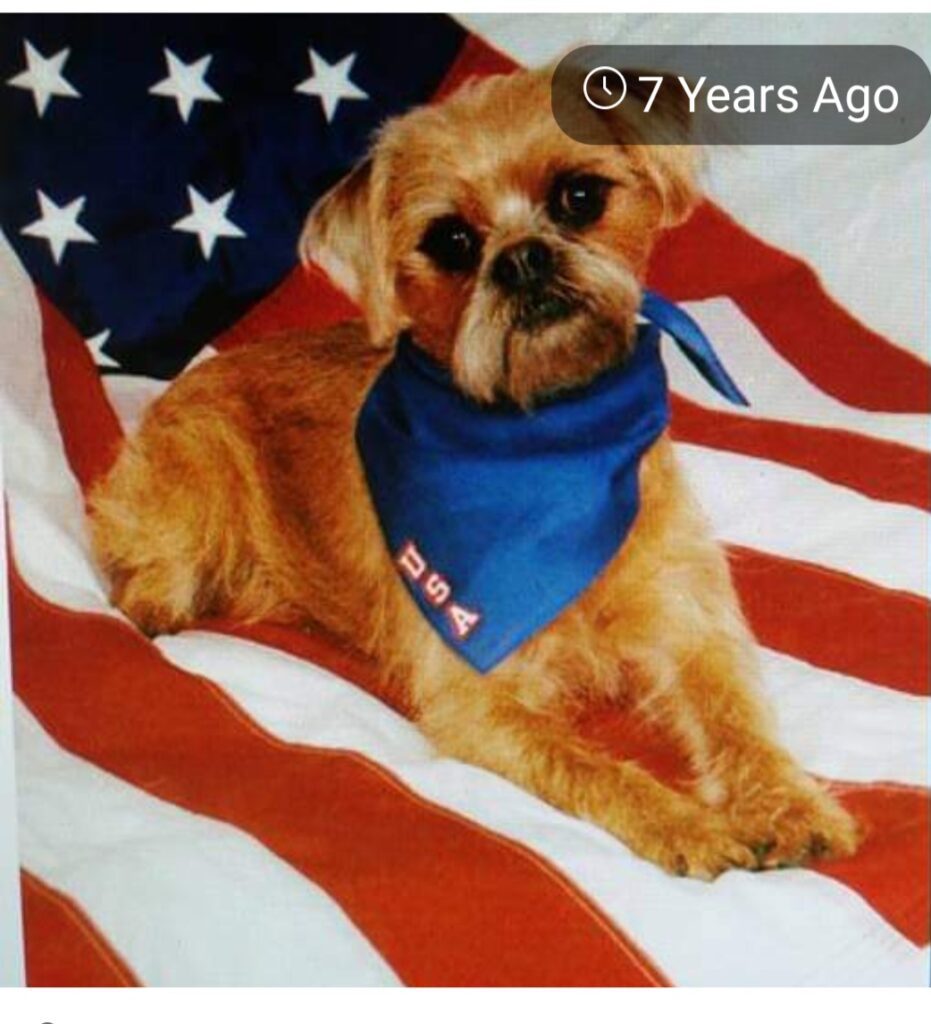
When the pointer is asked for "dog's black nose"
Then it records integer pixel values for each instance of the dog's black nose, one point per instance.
(528, 264)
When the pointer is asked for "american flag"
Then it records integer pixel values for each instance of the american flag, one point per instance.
(239, 805)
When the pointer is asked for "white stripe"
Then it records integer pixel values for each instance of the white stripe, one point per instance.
(46, 506)
(184, 899)
(775, 389)
(858, 214)
(51, 551)
(841, 728)
(743, 928)
(46, 520)
(130, 396)
(795, 514)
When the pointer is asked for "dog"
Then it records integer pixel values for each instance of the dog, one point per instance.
(513, 258)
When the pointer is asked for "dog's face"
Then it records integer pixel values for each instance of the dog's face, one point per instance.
(512, 253)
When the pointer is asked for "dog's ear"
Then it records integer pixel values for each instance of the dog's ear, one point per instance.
(674, 170)
(671, 161)
(346, 234)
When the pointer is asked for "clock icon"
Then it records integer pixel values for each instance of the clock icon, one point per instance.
(604, 88)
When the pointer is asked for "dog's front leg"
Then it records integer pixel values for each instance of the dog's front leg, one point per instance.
(537, 749)
(772, 803)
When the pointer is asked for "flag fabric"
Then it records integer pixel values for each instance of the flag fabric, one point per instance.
(246, 805)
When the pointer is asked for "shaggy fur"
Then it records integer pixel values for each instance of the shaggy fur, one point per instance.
(243, 494)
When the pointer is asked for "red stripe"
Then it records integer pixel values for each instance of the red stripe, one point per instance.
(712, 255)
(305, 300)
(63, 948)
(444, 900)
(476, 59)
(90, 431)
(893, 868)
(835, 621)
(879, 469)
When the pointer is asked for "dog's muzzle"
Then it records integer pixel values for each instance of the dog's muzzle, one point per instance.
(526, 273)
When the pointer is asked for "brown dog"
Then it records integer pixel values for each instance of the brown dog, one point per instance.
(243, 494)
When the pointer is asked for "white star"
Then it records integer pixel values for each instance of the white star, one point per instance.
(185, 83)
(43, 77)
(208, 220)
(331, 83)
(207, 352)
(96, 344)
(58, 225)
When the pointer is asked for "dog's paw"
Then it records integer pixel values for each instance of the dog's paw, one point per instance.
(794, 820)
(699, 844)
(155, 599)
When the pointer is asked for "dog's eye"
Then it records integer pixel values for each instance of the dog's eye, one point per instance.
(578, 200)
(453, 244)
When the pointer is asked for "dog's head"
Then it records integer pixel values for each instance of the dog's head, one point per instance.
(512, 253)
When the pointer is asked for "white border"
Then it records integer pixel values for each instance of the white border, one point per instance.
(458, 1006)
(528, 8)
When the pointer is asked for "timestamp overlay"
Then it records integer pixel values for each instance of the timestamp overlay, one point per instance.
(742, 95)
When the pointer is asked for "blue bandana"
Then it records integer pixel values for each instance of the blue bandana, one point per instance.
(496, 518)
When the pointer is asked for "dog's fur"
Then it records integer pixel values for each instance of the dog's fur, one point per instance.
(243, 494)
